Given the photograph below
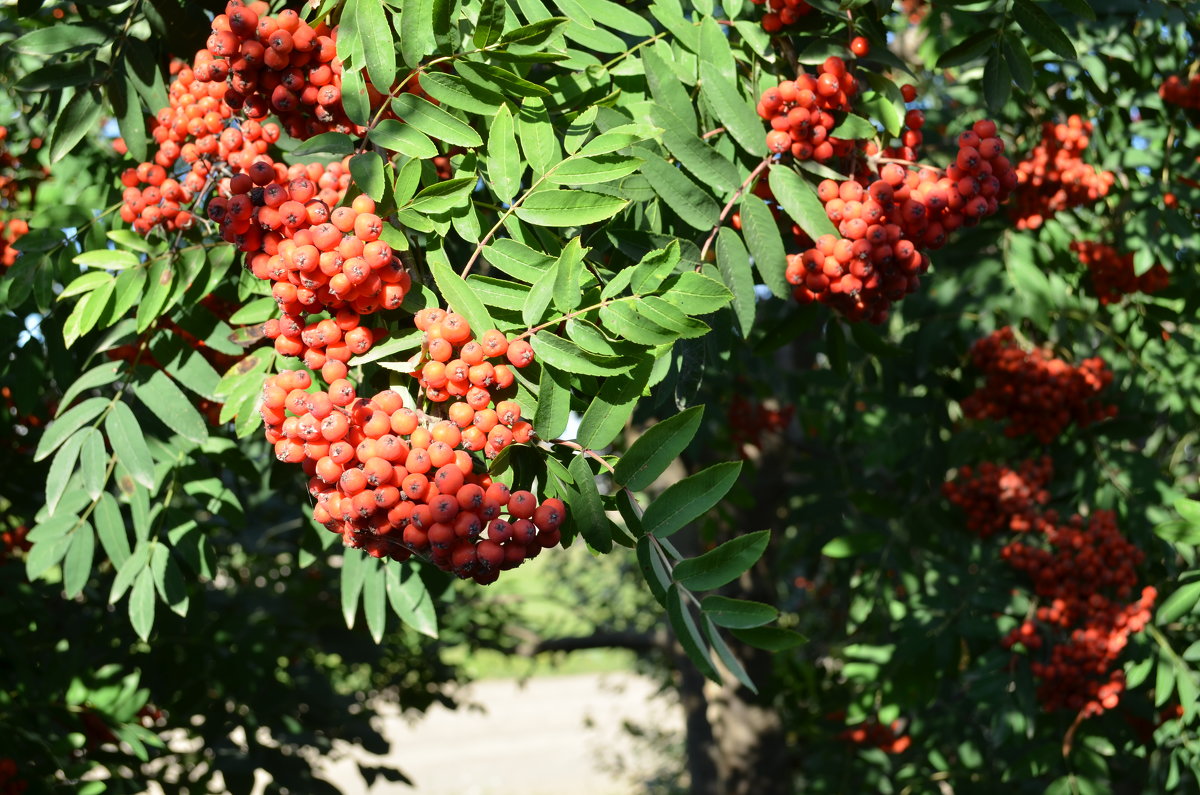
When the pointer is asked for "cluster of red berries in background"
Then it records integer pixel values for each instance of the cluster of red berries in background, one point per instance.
(10, 783)
(750, 420)
(394, 481)
(886, 220)
(783, 13)
(997, 498)
(13, 541)
(801, 112)
(1113, 275)
(1054, 177)
(1036, 393)
(872, 734)
(1083, 573)
(11, 231)
(456, 372)
(1177, 92)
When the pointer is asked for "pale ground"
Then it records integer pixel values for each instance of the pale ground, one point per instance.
(546, 736)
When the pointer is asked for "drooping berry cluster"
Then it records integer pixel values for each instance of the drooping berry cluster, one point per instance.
(1054, 177)
(390, 480)
(1084, 581)
(1177, 92)
(801, 112)
(277, 65)
(456, 371)
(195, 129)
(885, 220)
(1083, 575)
(783, 13)
(890, 739)
(997, 499)
(1035, 393)
(749, 420)
(10, 782)
(1113, 275)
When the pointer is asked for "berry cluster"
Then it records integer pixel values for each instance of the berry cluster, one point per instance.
(10, 783)
(456, 371)
(1177, 92)
(800, 112)
(783, 13)
(195, 129)
(1037, 394)
(391, 481)
(1113, 276)
(885, 220)
(13, 541)
(873, 734)
(749, 420)
(1084, 582)
(276, 65)
(1054, 177)
(1083, 574)
(321, 261)
(10, 232)
(996, 498)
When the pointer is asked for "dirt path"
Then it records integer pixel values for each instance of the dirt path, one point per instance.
(552, 735)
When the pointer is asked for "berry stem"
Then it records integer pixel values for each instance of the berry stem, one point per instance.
(737, 194)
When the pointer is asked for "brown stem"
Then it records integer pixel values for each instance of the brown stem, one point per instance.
(758, 170)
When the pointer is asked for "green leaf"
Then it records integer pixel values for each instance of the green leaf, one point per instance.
(734, 263)
(770, 638)
(411, 602)
(141, 604)
(1079, 8)
(608, 412)
(1019, 64)
(433, 121)
(688, 633)
(354, 573)
(535, 32)
(654, 268)
(654, 570)
(366, 21)
(538, 299)
(695, 293)
(355, 100)
(110, 526)
(77, 566)
(403, 138)
(47, 553)
(800, 202)
(1042, 29)
(337, 144)
(618, 138)
(131, 118)
(71, 421)
(567, 273)
(997, 82)
(455, 92)
(569, 357)
(690, 498)
(568, 208)
(694, 154)
(461, 297)
(518, 260)
(968, 49)
(723, 564)
(851, 545)
(367, 171)
(445, 195)
(668, 93)
(1175, 606)
(766, 246)
(58, 76)
(61, 469)
(490, 26)
(587, 512)
(59, 38)
(737, 613)
(539, 141)
(168, 402)
(93, 462)
(735, 113)
(593, 170)
(77, 118)
(106, 259)
(159, 280)
(503, 160)
(655, 449)
(129, 443)
(374, 598)
(416, 24)
(499, 79)
(689, 201)
(854, 127)
(553, 409)
(726, 655)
